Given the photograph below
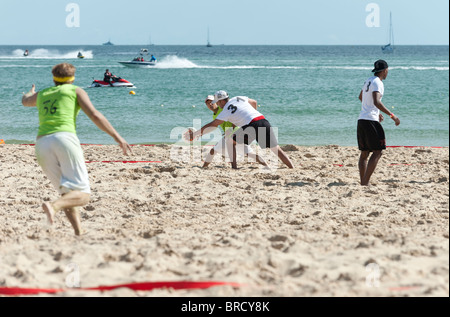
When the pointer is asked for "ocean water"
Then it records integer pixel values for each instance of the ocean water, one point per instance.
(310, 93)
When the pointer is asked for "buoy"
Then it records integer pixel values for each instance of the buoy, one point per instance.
(1, 141)
(132, 93)
(162, 105)
(193, 106)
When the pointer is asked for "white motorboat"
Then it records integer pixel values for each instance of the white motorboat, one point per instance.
(140, 62)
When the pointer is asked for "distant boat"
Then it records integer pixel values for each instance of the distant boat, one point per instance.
(389, 48)
(108, 43)
(150, 42)
(208, 42)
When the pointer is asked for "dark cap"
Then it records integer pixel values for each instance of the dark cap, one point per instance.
(380, 65)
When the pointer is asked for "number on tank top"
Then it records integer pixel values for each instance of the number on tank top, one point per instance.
(52, 109)
(232, 108)
(368, 86)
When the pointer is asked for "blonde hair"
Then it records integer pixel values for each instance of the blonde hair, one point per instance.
(64, 71)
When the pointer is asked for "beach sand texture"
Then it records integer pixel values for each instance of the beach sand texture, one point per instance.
(312, 231)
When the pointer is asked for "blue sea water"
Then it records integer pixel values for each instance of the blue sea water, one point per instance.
(310, 93)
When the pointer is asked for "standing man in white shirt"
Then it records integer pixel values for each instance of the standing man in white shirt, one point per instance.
(371, 137)
(243, 113)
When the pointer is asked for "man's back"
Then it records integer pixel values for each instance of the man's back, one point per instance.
(239, 112)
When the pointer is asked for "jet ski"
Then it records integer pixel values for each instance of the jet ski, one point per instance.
(80, 55)
(26, 53)
(115, 82)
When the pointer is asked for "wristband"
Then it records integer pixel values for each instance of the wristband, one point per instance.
(392, 115)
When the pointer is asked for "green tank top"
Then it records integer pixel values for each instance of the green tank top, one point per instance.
(58, 109)
(224, 125)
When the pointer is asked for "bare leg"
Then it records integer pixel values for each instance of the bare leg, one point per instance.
(363, 164)
(73, 214)
(282, 156)
(68, 203)
(209, 158)
(72, 199)
(371, 166)
(258, 158)
(234, 157)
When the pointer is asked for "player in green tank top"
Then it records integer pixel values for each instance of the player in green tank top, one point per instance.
(58, 149)
(58, 109)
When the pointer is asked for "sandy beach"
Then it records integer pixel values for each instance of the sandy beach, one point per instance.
(311, 231)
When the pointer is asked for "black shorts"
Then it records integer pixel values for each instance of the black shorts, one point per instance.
(261, 131)
(371, 136)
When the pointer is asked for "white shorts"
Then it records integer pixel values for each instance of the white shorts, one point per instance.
(62, 160)
(225, 145)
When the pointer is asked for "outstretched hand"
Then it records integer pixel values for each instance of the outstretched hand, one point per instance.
(31, 92)
(125, 147)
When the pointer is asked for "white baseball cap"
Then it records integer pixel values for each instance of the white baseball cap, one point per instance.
(220, 95)
(210, 97)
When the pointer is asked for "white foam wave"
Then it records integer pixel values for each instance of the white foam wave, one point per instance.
(42, 53)
(420, 68)
(172, 61)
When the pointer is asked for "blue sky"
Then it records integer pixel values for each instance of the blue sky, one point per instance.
(231, 22)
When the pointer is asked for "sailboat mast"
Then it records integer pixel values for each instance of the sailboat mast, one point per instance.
(208, 43)
(391, 34)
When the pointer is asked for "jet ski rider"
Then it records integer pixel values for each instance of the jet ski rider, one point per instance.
(108, 76)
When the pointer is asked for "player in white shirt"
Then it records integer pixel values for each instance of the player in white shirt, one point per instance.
(225, 145)
(371, 137)
(243, 113)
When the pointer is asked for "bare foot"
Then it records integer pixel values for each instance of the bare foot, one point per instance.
(49, 211)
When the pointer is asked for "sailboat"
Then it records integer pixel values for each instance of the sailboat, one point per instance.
(150, 42)
(389, 48)
(208, 42)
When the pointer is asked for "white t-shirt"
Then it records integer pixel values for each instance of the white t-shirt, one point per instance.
(369, 110)
(239, 112)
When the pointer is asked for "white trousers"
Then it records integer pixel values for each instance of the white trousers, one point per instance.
(61, 158)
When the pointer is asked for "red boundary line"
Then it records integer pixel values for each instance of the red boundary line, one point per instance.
(147, 145)
(415, 146)
(125, 162)
(180, 285)
(394, 164)
(114, 144)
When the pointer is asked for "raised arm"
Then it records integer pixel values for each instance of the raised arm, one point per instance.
(377, 101)
(100, 121)
(30, 98)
